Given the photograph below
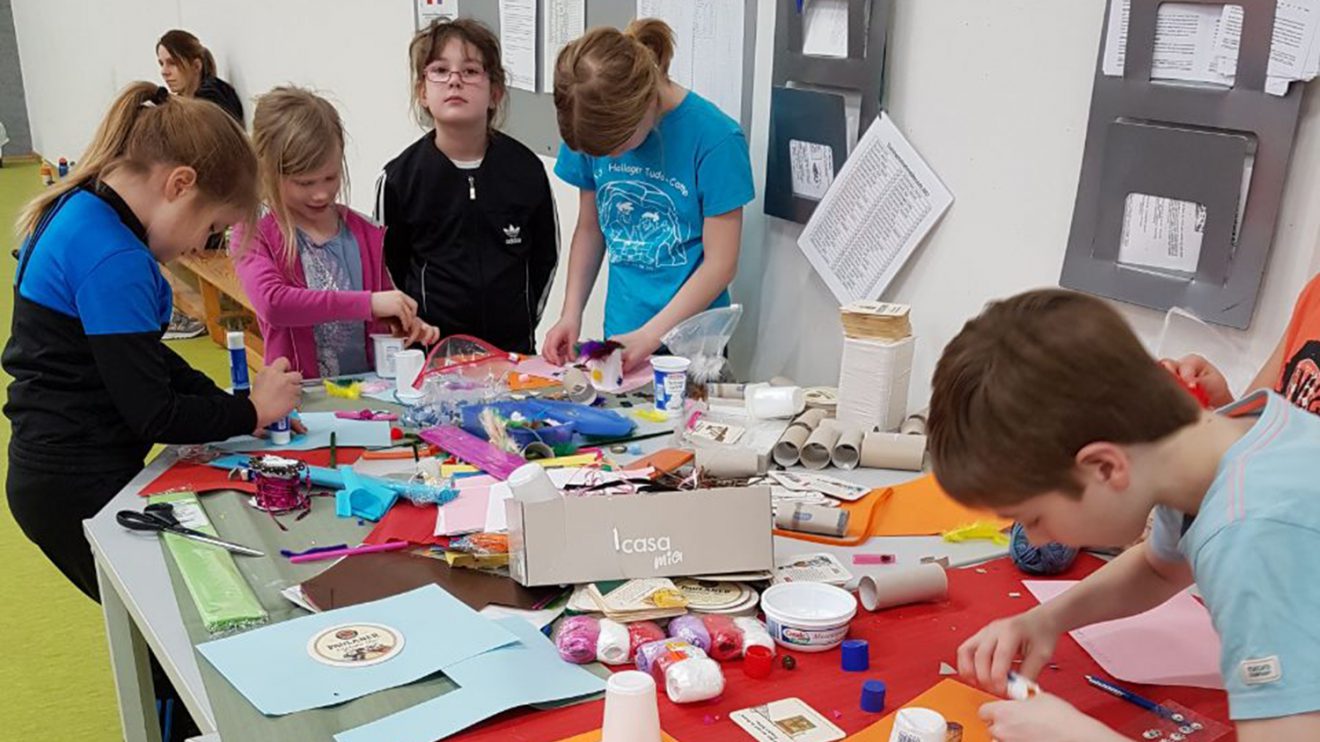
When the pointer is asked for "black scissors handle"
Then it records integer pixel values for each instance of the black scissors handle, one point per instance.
(142, 521)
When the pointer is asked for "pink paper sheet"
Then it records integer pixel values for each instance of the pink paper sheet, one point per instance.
(1172, 644)
(632, 381)
(467, 512)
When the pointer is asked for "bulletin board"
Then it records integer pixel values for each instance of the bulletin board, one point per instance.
(530, 117)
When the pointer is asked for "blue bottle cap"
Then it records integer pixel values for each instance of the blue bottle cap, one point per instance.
(856, 655)
(873, 696)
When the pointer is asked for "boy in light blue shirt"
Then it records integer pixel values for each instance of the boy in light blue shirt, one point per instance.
(1047, 409)
(663, 175)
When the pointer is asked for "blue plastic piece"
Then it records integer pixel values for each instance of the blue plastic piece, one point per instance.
(873, 696)
(591, 422)
(856, 655)
(366, 498)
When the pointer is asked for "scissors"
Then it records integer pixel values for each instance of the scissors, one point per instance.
(160, 517)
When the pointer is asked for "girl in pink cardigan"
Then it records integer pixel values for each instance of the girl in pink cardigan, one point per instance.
(313, 268)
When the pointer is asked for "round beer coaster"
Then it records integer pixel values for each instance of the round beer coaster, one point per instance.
(355, 645)
(705, 595)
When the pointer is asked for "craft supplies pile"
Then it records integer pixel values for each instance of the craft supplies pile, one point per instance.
(657, 527)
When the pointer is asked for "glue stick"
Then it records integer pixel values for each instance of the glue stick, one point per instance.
(238, 368)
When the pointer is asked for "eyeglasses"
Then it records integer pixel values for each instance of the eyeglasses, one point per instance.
(441, 75)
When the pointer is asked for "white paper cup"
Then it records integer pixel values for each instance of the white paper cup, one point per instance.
(384, 347)
(630, 709)
(408, 364)
(918, 725)
(670, 383)
(530, 483)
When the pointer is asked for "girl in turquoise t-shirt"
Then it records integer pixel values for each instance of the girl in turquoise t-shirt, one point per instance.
(663, 176)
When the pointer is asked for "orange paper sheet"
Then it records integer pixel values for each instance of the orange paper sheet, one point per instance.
(915, 508)
(953, 700)
(595, 737)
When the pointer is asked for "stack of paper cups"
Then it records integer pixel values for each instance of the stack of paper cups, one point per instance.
(630, 709)
(873, 382)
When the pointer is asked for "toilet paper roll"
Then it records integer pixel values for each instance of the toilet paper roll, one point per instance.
(900, 586)
(816, 451)
(915, 424)
(893, 451)
(789, 448)
(847, 451)
(727, 462)
(812, 519)
(810, 419)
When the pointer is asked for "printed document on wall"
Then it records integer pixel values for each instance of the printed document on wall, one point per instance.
(430, 10)
(708, 47)
(882, 204)
(518, 40)
(561, 22)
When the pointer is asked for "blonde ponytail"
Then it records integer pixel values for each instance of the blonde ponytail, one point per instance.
(145, 127)
(607, 81)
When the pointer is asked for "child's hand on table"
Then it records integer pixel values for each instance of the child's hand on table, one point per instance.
(275, 392)
(988, 655)
(1043, 717)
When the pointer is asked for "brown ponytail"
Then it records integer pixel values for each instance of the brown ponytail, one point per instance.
(145, 128)
(606, 82)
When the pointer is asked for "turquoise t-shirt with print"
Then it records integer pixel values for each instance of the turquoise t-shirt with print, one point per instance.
(652, 201)
(1252, 547)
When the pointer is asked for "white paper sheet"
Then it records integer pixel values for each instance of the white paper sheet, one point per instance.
(882, 204)
(708, 47)
(561, 22)
(825, 28)
(1161, 233)
(813, 168)
(518, 41)
(429, 10)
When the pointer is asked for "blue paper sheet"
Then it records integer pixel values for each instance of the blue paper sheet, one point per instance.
(348, 433)
(520, 674)
(274, 667)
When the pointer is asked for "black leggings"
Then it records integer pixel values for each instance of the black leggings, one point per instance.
(50, 508)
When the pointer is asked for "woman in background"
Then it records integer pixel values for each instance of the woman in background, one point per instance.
(189, 70)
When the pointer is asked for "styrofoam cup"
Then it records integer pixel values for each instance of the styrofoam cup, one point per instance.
(408, 365)
(530, 483)
(918, 725)
(630, 709)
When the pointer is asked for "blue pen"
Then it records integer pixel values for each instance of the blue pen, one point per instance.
(1133, 698)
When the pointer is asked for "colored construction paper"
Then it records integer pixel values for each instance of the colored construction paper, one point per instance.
(953, 700)
(188, 476)
(1171, 644)
(595, 737)
(409, 522)
(361, 433)
(465, 514)
(274, 667)
(916, 508)
(362, 579)
(633, 380)
(526, 672)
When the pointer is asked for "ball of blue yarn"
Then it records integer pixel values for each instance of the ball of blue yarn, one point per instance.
(1050, 559)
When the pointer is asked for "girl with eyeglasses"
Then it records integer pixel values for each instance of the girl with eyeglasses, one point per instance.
(471, 232)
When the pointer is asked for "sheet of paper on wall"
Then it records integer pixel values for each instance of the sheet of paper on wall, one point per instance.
(430, 10)
(1161, 233)
(518, 42)
(884, 201)
(825, 28)
(561, 22)
(708, 47)
(1293, 45)
(813, 168)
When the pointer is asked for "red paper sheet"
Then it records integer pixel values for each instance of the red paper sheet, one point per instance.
(907, 646)
(407, 522)
(185, 476)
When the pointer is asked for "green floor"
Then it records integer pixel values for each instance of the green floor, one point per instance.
(55, 681)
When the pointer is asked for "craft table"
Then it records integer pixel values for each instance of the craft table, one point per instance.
(142, 612)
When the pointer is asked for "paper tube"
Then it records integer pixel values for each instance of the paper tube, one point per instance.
(727, 462)
(810, 419)
(895, 587)
(848, 450)
(915, 424)
(789, 448)
(812, 519)
(816, 451)
(893, 451)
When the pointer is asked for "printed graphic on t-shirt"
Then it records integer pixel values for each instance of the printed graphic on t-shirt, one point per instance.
(324, 271)
(641, 225)
(1300, 383)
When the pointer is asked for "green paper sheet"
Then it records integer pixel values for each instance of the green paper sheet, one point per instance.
(223, 598)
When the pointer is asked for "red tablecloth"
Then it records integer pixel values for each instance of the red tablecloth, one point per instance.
(907, 646)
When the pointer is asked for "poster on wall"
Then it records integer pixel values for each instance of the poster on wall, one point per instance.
(430, 10)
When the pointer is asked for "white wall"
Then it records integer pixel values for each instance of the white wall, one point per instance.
(993, 94)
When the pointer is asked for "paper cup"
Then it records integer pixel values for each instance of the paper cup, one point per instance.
(918, 725)
(384, 347)
(670, 383)
(408, 365)
(530, 483)
(630, 709)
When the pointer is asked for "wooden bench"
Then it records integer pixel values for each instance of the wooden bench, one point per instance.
(206, 287)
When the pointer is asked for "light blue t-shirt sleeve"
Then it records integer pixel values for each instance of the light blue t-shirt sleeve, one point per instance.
(574, 168)
(1165, 532)
(1258, 579)
(724, 177)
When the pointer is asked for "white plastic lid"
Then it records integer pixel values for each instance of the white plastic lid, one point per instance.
(670, 364)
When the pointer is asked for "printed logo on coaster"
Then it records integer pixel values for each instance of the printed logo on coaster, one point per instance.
(1261, 671)
(704, 595)
(355, 645)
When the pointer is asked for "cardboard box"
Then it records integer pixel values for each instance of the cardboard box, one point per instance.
(587, 539)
